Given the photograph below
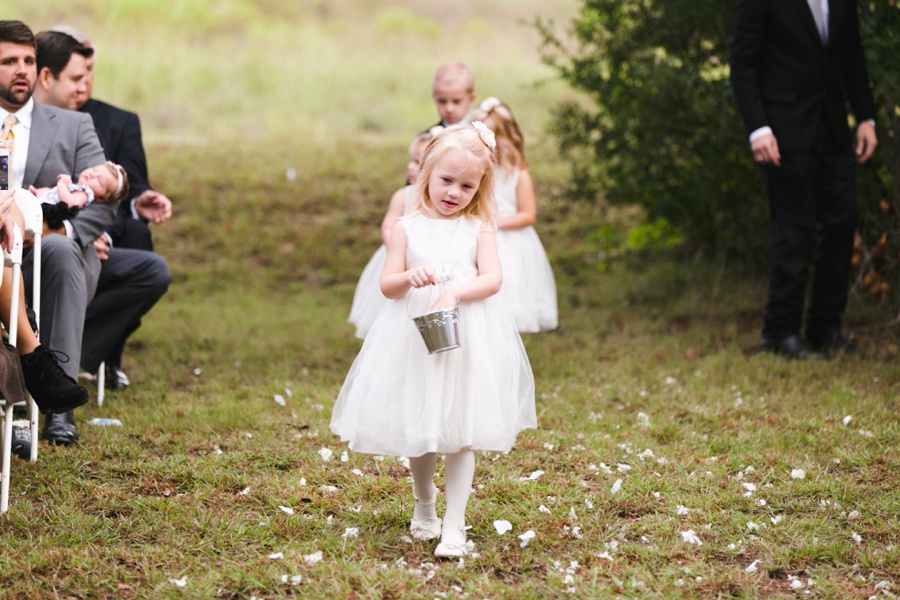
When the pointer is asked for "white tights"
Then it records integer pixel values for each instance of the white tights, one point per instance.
(458, 475)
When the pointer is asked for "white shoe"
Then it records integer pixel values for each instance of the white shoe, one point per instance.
(453, 541)
(425, 528)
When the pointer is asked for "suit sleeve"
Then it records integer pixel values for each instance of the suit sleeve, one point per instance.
(130, 154)
(856, 74)
(747, 47)
(91, 221)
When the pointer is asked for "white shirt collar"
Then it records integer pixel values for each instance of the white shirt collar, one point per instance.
(23, 114)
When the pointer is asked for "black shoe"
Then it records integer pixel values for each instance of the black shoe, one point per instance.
(832, 342)
(60, 429)
(21, 442)
(115, 379)
(789, 347)
(51, 388)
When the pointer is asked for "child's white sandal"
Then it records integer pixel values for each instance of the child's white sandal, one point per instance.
(453, 541)
(425, 528)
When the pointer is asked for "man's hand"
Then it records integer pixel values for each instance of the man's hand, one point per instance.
(866, 141)
(102, 247)
(765, 150)
(153, 206)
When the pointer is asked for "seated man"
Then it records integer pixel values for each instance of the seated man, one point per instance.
(46, 142)
(132, 277)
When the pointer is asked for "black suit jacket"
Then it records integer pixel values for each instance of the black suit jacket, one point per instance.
(783, 75)
(120, 135)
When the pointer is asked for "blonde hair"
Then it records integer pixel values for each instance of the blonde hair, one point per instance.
(453, 72)
(422, 138)
(510, 143)
(469, 140)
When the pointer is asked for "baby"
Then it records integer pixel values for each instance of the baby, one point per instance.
(107, 182)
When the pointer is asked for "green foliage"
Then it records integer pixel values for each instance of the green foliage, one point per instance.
(658, 127)
(878, 251)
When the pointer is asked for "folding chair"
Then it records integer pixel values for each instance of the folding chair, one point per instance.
(13, 259)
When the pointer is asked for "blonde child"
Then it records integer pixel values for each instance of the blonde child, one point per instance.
(453, 92)
(368, 299)
(529, 288)
(397, 399)
(107, 182)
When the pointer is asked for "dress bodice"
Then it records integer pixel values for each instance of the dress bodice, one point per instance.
(449, 246)
(505, 184)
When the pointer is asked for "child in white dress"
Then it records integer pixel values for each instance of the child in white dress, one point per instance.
(399, 400)
(528, 284)
(368, 299)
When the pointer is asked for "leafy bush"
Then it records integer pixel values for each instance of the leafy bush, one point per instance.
(658, 126)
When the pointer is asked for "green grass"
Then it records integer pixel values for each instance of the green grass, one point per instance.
(651, 354)
(655, 352)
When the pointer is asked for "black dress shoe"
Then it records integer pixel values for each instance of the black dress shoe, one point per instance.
(51, 388)
(831, 342)
(21, 441)
(790, 347)
(60, 429)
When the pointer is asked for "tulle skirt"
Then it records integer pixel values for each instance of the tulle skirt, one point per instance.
(398, 400)
(529, 289)
(368, 299)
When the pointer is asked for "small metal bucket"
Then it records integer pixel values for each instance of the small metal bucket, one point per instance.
(439, 329)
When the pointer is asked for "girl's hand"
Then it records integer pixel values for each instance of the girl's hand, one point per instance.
(420, 277)
(446, 300)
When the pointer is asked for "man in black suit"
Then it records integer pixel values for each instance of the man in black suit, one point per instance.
(794, 65)
(132, 277)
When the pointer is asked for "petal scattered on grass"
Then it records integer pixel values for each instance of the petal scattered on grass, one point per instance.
(502, 526)
(279, 400)
(292, 579)
(313, 559)
(750, 487)
(616, 487)
(856, 537)
(798, 474)
(286, 510)
(526, 537)
(752, 526)
(350, 532)
(689, 537)
(179, 582)
(752, 568)
(244, 491)
(682, 510)
(854, 515)
(534, 475)
(276, 555)
(846, 420)
(605, 556)
(325, 453)
(543, 509)
(776, 519)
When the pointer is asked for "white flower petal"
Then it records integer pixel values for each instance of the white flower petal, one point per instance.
(276, 555)
(527, 537)
(856, 537)
(287, 510)
(616, 487)
(798, 474)
(543, 509)
(279, 400)
(846, 420)
(751, 568)
(179, 582)
(854, 515)
(752, 526)
(350, 532)
(313, 559)
(606, 556)
(750, 487)
(689, 537)
(502, 526)
(325, 453)
(682, 510)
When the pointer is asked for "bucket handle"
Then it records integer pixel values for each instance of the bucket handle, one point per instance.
(409, 294)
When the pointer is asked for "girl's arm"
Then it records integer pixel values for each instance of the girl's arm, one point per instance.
(70, 199)
(394, 212)
(486, 284)
(396, 279)
(525, 203)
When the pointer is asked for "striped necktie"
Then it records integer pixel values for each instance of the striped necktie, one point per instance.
(7, 135)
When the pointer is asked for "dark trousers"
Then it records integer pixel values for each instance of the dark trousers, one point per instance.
(131, 282)
(812, 197)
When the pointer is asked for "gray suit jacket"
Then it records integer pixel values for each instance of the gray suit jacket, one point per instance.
(64, 141)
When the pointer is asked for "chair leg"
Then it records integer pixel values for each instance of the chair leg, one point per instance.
(101, 383)
(33, 417)
(7, 452)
